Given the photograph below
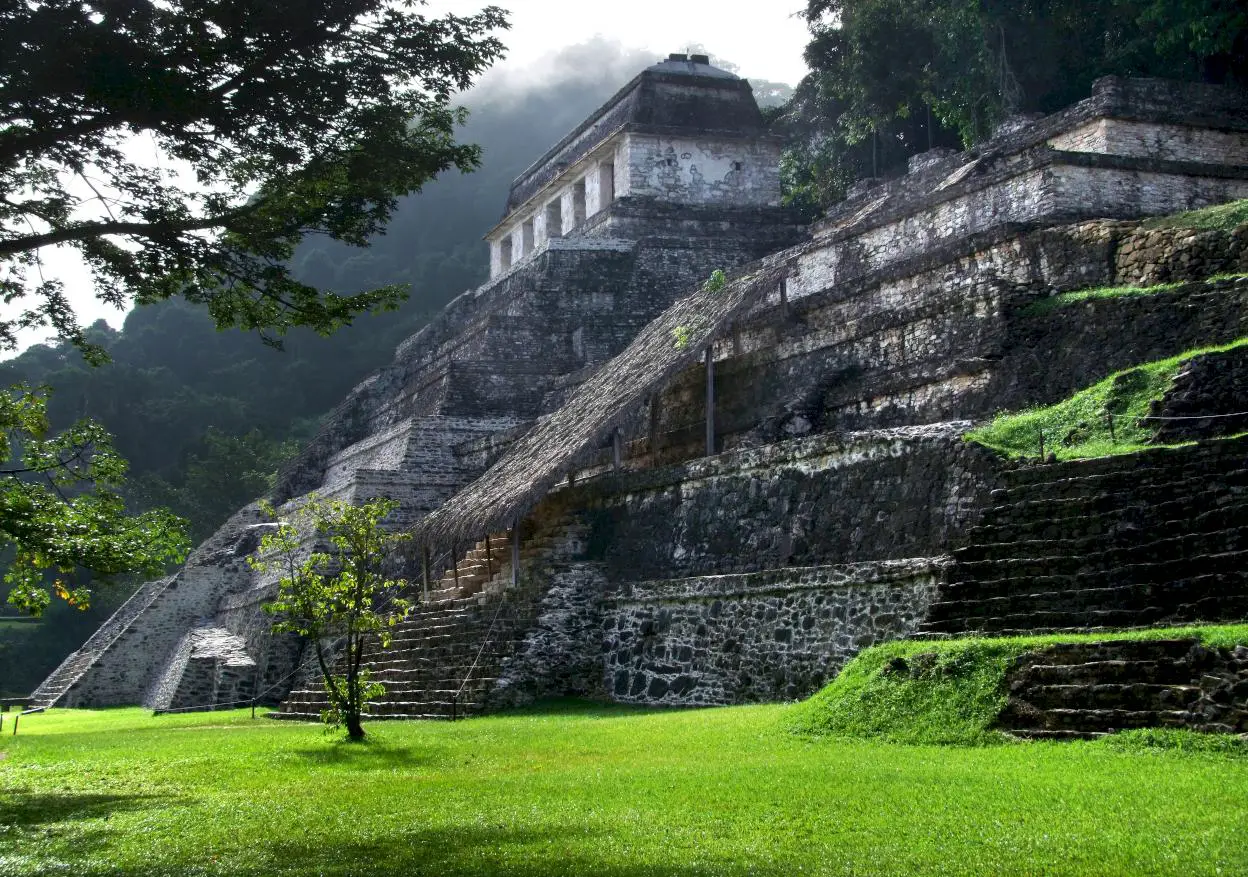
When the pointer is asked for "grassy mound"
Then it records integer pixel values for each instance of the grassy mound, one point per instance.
(945, 691)
(1078, 427)
(1220, 216)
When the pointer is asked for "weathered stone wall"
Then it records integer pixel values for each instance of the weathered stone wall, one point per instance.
(1213, 384)
(702, 170)
(1147, 256)
(1047, 357)
(804, 502)
(953, 335)
(562, 653)
(749, 576)
(773, 635)
(1154, 140)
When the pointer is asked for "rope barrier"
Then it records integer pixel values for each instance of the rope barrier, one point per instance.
(1175, 416)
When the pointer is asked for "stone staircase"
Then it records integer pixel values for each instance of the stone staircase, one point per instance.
(444, 659)
(55, 690)
(1158, 537)
(485, 569)
(1083, 690)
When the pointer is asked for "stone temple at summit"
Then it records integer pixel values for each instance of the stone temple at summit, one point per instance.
(685, 447)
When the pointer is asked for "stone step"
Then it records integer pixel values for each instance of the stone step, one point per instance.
(1201, 534)
(1044, 734)
(1108, 720)
(1153, 672)
(1206, 454)
(1075, 521)
(1230, 565)
(1215, 609)
(1111, 695)
(1190, 472)
(972, 601)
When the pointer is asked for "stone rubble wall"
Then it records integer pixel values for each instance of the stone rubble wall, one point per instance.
(1147, 256)
(775, 635)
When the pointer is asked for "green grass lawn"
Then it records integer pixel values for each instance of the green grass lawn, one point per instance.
(596, 790)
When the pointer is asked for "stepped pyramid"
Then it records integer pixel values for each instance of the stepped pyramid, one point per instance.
(721, 492)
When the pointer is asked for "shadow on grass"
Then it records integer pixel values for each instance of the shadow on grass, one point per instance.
(368, 754)
(466, 850)
(28, 809)
(559, 707)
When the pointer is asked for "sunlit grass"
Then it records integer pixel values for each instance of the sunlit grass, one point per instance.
(587, 791)
(1078, 427)
(1061, 300)
(1219, 216)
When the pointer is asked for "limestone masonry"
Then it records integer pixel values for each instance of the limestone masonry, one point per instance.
(788, 483)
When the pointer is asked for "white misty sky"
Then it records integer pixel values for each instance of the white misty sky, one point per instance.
(764, 40)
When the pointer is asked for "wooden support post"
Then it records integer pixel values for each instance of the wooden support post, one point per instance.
(489, 558)
(424, 572)
(515, 552)
(653, 432)
(616, 451)
(710, 401)
(455, 564)
(784, 298)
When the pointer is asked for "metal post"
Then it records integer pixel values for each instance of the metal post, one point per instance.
(784, 298)
(16, 716)
(710, 401)
(616, 452)
(515, 552)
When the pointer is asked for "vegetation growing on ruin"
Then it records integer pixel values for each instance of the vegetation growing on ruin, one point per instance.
(945, 692)
(1221, 217)
(1078, 427)
(580, 789)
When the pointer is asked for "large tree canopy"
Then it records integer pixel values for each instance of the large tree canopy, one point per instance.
(185, 147)
(879, 66)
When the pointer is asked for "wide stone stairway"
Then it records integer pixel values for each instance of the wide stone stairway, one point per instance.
(1088, 689)
(445, 658)
(1153, 538)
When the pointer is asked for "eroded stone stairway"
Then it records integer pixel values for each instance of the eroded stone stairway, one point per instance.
(1158, 537)
(446, 657)
(1088, 689)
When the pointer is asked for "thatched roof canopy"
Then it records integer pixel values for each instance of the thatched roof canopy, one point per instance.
(555, 444)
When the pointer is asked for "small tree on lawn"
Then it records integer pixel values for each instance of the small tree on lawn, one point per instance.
(339, 592)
